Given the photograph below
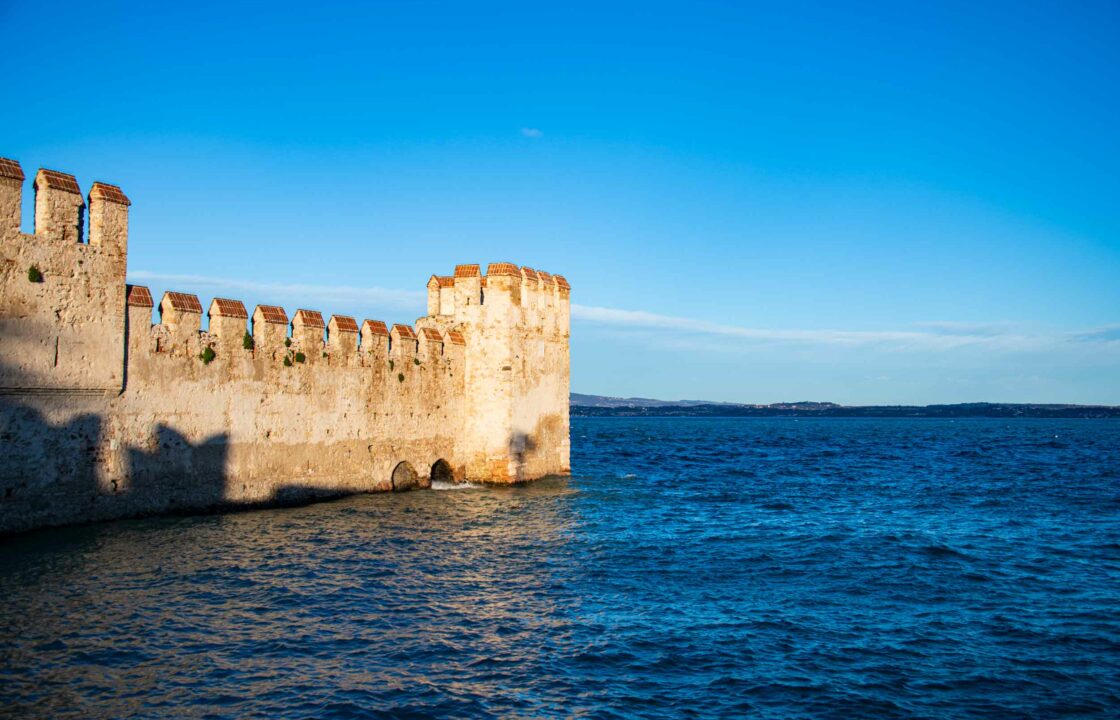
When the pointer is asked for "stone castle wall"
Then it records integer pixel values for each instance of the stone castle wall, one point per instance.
(105, 415)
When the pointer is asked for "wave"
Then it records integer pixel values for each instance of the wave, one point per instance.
(444, 485)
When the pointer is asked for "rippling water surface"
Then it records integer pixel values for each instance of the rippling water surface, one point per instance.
(691, 568)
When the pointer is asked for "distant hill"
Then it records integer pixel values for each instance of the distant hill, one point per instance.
(610, 402)
(604, 406)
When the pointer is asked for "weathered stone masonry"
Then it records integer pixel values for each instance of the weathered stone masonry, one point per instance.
(105, 415)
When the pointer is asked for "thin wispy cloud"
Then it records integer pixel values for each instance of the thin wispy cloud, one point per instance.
(1109, 334)
(952, 327)
(938, 336)
(300, 293)
(533, 133)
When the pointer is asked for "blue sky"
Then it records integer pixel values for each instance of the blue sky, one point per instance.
(754, 202)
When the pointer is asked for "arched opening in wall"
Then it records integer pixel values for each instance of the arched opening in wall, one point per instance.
(441, 472)
(405, 477)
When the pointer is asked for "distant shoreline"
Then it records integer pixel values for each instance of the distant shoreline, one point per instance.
(613, 407)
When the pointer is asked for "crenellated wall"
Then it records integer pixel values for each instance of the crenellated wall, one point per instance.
(104, 414)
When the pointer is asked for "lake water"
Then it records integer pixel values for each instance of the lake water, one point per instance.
(771, 568)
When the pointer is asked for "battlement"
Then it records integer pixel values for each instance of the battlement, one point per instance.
(271, 335)
(463, 295)
(62, 313)
(60, 209)
(259, 399)
(139, 296)
(269, 332)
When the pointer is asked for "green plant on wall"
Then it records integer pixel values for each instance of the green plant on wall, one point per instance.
(287, 342)
(34, 274)
(207, 355)
(400, 377)
(247, 341)
(300, 357)
(390, 365)
(287, 361)
(416, 361)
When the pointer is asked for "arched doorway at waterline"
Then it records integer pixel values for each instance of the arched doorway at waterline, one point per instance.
(441, 472)
(405, 477)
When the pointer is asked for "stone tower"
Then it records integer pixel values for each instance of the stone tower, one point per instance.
(516, 323)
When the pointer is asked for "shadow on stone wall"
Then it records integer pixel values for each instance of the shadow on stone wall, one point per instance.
(57, 474)
(60, 473)
(173, 474)
(521, 447)
(48, 472)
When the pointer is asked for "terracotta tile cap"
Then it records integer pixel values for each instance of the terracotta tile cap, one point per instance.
(456, 337)
(110, 193)
(432, 335)
(344, 323)
(375, 327)
(223, 307)
(139, 296)
(183, 302)
(445, 281)
(10, 169)
(530, 274)
(546, 278)
(272, 314)
(467, 271)
(562, 282)
(503, 268)
(309, 318)
(405, 331)
(58, 181)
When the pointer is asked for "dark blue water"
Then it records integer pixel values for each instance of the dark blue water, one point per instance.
(769, 568)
